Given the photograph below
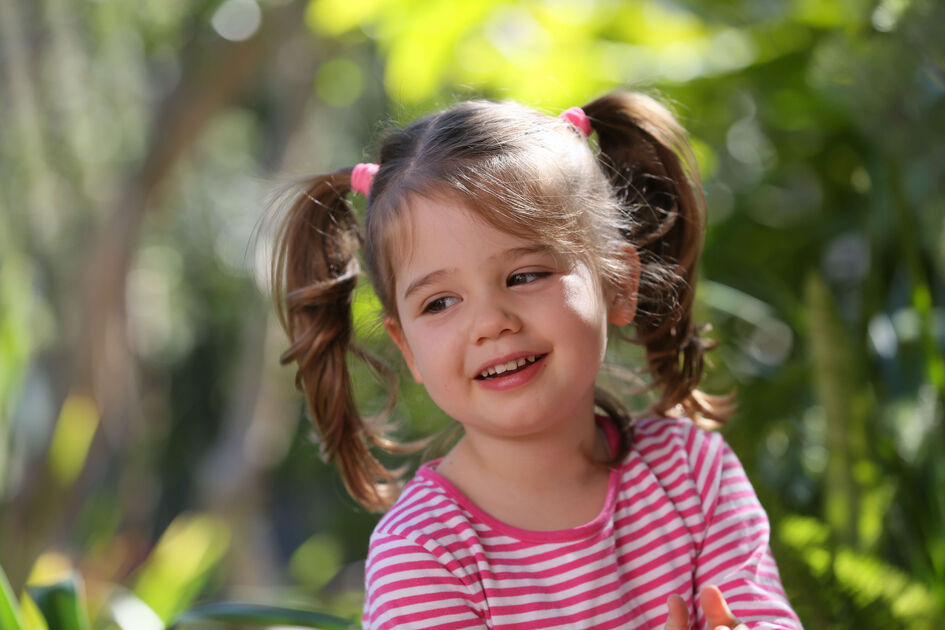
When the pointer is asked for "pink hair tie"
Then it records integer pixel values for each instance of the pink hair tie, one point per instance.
(362, 176)
(577, 117)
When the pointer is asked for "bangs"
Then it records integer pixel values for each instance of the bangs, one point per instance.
(521, 172)
(390, 233)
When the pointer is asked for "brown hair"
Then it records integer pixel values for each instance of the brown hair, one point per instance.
(655, 178)
(530, 175)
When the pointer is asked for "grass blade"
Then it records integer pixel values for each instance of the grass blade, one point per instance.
(10, 616)
(261, 615)
(61, 604)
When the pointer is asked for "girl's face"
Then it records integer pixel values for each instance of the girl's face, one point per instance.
(506, 335)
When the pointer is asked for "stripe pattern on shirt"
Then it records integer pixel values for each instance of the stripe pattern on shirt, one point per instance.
(681, 514)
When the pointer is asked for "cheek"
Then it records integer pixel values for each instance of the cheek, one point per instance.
(584, 299)
(432, 348)
(586, 308)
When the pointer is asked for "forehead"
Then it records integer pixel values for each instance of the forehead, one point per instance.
(437, 230)
(427, 233)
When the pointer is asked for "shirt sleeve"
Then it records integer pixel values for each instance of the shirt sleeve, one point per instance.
(408, 586)
(735, 554)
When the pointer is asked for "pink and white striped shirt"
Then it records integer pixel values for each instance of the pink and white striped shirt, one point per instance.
(680, 514)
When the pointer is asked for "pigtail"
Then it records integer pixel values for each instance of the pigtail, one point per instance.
(315, 271)
(650, 164)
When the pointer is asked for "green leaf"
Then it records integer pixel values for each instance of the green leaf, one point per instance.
(261, 615)
(180, 565)
(10, 618)
(128, 612)
(61, 604)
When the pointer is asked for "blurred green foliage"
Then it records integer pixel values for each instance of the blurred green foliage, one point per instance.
(139, 376)
(61, 605)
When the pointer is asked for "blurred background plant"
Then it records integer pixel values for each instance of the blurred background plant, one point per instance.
(148, 436)
(62, 604)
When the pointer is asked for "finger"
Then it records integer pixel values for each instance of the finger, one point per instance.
(678, 613)
(716, 610)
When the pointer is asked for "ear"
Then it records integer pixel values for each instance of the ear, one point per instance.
(397, 334)
(623, 302)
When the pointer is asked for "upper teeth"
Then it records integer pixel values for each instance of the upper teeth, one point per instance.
(505, 367)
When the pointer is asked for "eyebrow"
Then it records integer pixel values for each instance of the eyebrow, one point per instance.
(434, 276)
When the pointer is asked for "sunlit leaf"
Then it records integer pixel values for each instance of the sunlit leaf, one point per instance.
(333, 17)
(809, 537)
(869, 579)
(834, 14)
(21, 327)
(51, 566)
(130, 613)
(420, 55)
(62, 604)
(179, 566)
(366, 311)
(32, 616)
(75, 429)
(875, 503)
(10, 617)
(316, 561)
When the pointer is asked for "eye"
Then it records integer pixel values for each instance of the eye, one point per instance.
(526, 277)
(439, 304)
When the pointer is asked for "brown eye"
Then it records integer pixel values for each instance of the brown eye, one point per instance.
(526, 277)
(439, 304)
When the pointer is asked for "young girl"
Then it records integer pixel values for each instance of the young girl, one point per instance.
(503, 246)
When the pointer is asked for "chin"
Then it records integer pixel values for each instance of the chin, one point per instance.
(514, 425)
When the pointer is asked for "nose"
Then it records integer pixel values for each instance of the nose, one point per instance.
(492, 320)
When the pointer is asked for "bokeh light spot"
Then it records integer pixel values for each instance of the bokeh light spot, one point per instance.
(339, 82)
(78, 421)
(237, 20)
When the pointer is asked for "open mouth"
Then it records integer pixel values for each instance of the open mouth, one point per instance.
(511, 367)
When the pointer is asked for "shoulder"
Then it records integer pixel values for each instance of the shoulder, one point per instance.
(684, 456)
(425, 522)
(689, 463)
(420, 572)
(661, 441)
(694, 470)
(425, 509)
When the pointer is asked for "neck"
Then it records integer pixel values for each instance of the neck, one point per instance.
(566, 457)
(547, 482)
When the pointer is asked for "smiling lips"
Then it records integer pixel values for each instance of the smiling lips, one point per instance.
(509, 367)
